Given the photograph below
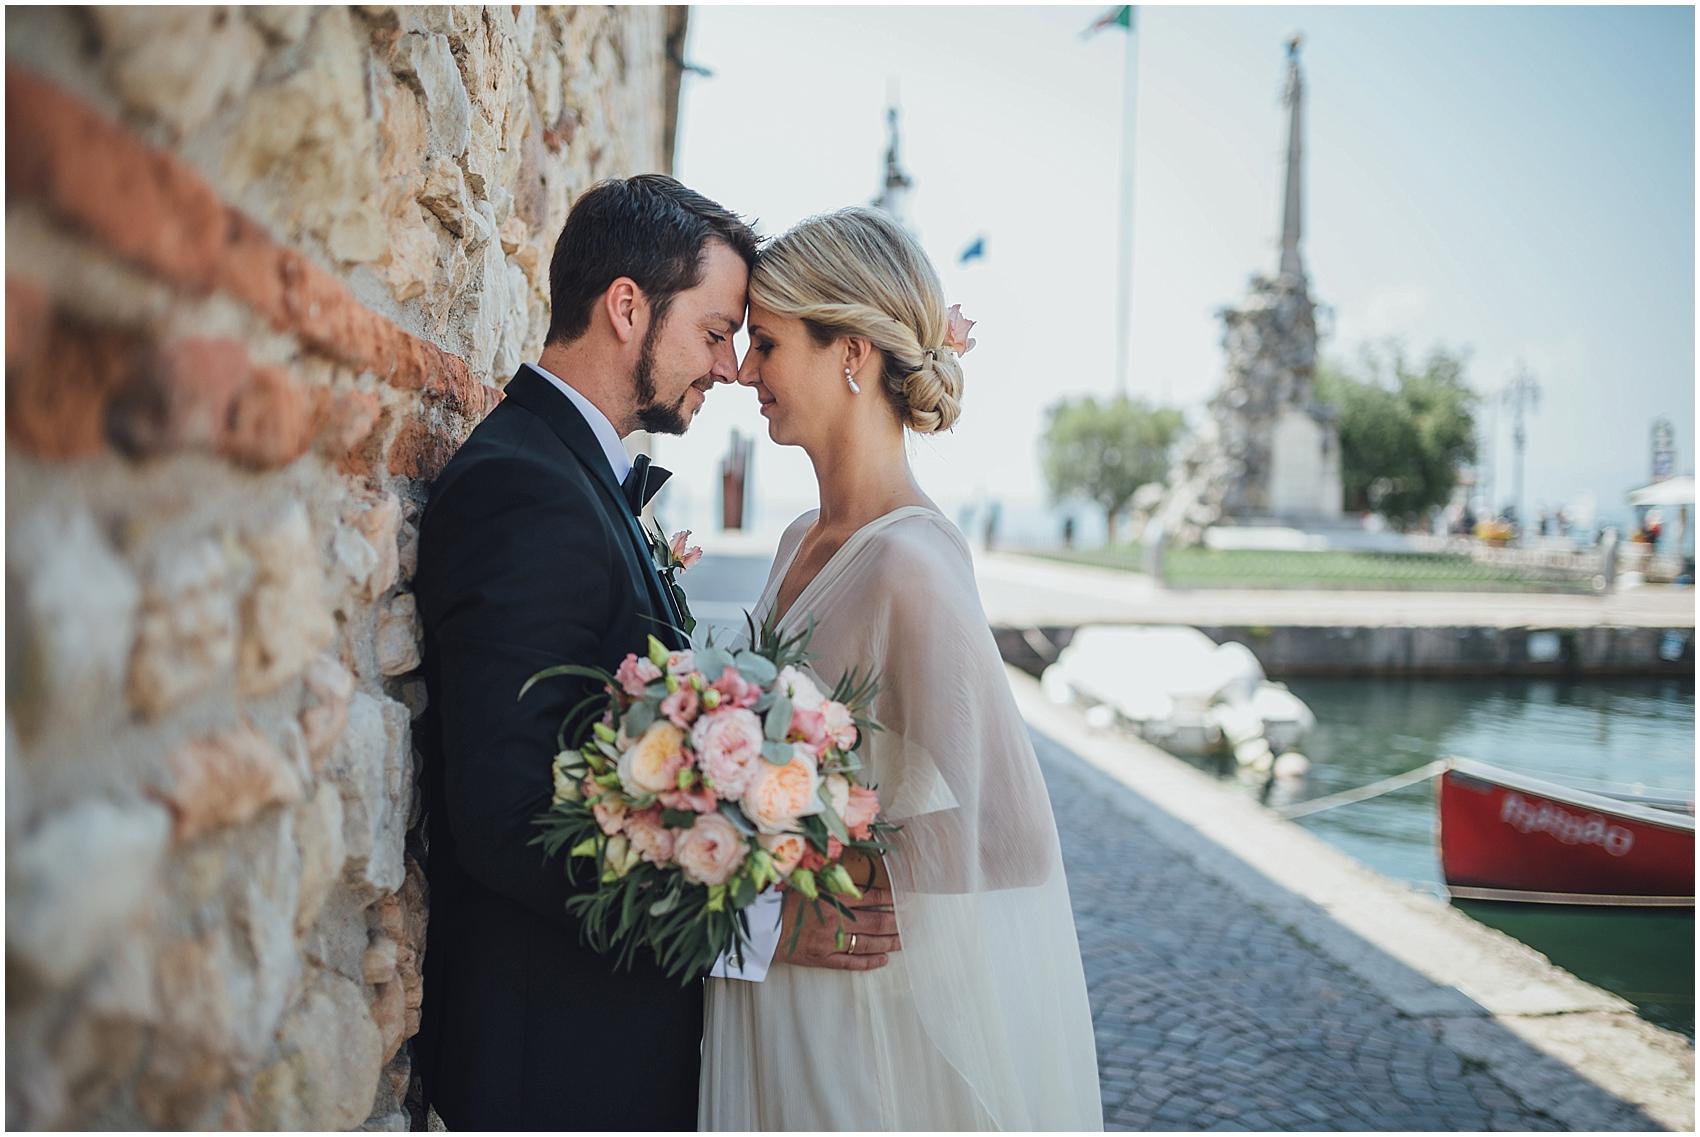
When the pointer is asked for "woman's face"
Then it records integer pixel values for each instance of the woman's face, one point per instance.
(800, 384)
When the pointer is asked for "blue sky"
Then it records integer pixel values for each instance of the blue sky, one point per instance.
(1517, 181)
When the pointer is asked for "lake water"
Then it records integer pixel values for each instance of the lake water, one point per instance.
(1620, 730)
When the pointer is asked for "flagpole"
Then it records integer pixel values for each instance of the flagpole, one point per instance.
(1124, 283)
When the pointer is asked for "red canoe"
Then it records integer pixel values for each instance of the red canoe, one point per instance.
(1506, 835)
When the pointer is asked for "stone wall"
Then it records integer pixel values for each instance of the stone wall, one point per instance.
(265, 267)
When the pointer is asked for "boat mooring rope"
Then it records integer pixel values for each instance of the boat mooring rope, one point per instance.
(1364, 793)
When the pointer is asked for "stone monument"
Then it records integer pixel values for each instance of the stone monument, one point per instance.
(1270, 453)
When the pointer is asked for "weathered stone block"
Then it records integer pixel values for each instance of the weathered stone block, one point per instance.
(398, 636)
(374, 817)
(318, 831)
(77, 881)
(225, 779)
(284, 619)
(186, 636)
(328, 686)
(428, 62)
(73, 622)
(179, 64)
(333, 1055)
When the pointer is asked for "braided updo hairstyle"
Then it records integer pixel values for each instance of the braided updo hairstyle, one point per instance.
(856, 272)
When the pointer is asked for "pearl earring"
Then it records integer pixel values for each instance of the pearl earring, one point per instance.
(851, 379)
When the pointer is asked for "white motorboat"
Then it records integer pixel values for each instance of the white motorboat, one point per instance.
(1177, 688)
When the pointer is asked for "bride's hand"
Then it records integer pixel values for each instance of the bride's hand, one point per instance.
(872, 935)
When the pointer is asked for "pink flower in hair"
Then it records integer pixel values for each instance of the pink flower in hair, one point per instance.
(956, 337)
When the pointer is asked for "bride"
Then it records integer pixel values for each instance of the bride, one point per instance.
(978, 1019)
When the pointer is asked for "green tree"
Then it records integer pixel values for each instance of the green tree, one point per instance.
(1105, 451)
(1405, 429)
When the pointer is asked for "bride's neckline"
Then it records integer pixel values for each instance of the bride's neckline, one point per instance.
(777, 584)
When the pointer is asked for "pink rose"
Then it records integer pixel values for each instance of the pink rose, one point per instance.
(635, 674)
(810, 726)
(652, 840)
(778, 795)
(728, 748)
(786, 849)
(653, 765)
(860, 813)
(710, 851)
(686, 556)
(735, 690)
(699, 800)
(610, 811)
(840, 725)
(680, 708)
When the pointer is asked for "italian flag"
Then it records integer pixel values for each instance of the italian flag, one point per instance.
(1121, 17)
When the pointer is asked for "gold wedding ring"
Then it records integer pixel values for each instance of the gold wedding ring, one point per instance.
(852, 948)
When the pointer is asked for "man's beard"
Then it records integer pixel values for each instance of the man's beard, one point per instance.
(652, 416)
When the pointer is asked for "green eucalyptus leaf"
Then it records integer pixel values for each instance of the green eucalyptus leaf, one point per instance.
(757, 669)
(778, 719)
(777, 753)
(639, 719)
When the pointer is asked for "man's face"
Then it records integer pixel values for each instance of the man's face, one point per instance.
(689, 349)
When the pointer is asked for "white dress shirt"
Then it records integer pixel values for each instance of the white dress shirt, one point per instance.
(765, 912)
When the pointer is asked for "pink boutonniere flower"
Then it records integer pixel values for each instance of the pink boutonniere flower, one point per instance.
(956, 336)
(684, 555)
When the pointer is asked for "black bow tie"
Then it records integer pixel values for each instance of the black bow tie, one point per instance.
(643, 482)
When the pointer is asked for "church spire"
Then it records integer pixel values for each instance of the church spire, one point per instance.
(1292, 214)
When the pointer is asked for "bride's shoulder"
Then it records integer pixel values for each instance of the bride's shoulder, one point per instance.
(921, 543)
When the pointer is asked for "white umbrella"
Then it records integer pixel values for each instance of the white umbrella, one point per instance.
(1671, 491)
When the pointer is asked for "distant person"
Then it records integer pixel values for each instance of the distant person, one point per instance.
(1068, 532)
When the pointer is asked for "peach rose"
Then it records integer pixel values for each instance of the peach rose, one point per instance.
(710, 851)
(778, 795)
(652, 840)
(653, 765)
(786, 849)
(728, 748)
(635, 674)
(859, 814)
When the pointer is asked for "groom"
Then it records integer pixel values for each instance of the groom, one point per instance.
(530, 554)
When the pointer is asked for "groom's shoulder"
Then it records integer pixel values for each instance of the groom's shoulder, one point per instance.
(510, 453)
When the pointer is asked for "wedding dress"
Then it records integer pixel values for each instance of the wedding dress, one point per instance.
(981, 1021)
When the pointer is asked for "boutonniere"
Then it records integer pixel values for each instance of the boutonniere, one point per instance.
(672, 557)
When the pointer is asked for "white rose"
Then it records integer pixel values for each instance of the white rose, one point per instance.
(805, 696)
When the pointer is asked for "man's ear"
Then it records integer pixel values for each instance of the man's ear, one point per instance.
(624, 303)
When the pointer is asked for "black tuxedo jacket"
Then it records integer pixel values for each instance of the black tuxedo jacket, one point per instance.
(529, 555)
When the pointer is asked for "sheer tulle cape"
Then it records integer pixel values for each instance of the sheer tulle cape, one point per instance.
(988, 990)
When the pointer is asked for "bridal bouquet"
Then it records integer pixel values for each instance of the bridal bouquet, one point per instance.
(709, 777)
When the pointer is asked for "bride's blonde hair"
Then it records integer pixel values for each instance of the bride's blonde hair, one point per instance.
(856, 272)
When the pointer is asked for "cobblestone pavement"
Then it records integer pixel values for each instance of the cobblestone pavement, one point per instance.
(1210, 1014)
